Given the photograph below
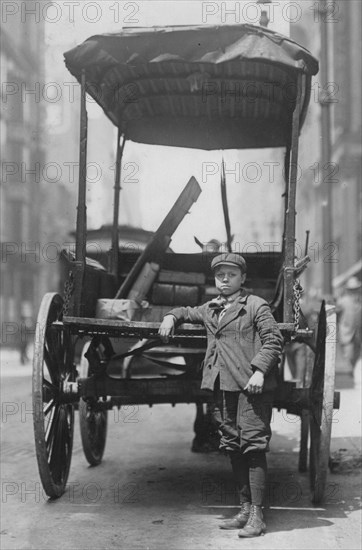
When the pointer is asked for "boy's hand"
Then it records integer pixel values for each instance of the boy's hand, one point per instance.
(167, 328)
(256, 382)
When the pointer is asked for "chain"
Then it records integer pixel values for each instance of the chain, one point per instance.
(68, 291)
(297, 292)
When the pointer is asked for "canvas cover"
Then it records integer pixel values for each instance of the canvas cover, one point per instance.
(207, 87)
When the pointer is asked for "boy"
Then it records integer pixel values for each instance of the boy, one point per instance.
(240, 367)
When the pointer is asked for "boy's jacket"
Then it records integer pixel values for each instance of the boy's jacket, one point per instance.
(246, 337)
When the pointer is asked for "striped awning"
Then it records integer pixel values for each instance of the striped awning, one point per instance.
(226, 87)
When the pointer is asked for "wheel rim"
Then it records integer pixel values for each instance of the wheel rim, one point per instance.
(53, 417)
(94, 430)
(322, 396)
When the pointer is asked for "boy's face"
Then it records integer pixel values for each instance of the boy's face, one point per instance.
(228, 279)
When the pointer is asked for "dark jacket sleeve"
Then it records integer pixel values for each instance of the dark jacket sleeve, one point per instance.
(271, 339)
(188, 314)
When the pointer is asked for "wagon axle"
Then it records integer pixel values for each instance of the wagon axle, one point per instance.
(132, 392)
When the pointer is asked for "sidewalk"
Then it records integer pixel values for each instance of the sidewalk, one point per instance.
(346, 437)
(346, 442)
(10, 365)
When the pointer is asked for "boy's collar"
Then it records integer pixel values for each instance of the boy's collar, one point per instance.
(231, 297)
(220, 301)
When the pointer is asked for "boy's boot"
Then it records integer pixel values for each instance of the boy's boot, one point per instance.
(241, 475)
(238, 521)
(255, 525)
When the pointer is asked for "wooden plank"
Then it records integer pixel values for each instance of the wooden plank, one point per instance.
(156, 248)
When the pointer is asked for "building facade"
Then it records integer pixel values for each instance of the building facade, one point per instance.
(23, 154)
(340, 251)
(345, 91)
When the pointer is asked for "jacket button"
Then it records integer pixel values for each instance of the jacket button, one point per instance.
(209, 366)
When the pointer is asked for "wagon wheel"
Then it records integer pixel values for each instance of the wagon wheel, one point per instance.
(93, 420)
(322, 396)
(53, 417)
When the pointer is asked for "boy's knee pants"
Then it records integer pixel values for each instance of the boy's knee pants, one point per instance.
(243, 420)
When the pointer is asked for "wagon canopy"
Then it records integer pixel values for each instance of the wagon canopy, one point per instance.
(209, 87)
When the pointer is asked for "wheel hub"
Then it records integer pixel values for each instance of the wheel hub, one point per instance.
(70, 391)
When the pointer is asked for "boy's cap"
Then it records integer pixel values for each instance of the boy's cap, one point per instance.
(236, 260)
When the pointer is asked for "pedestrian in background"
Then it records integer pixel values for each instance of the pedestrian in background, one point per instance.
(26, 332)
(349, 312)
(240, 367)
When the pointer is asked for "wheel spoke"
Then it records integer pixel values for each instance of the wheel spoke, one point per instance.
(62, 447)
(49, 385)
(57, 345)
(48, 406)
(58, 349)
(48, 423)
(49, 391)
(66, 447)
(55, 457)
(51, 429)
(52, 366)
